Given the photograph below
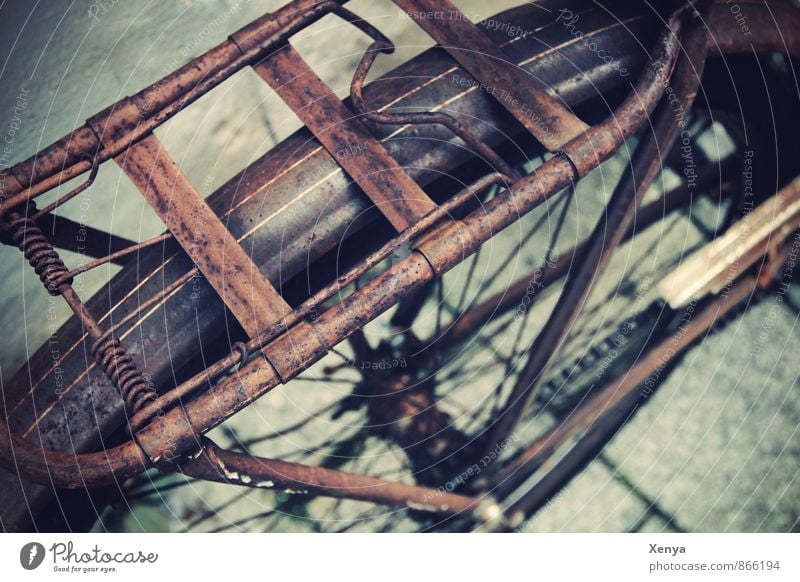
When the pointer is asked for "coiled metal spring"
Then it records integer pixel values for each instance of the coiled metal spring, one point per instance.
(123, 372)
(108, 351)
(39, 252)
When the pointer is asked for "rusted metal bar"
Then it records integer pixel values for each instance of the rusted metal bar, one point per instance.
(246, 292)
(113, 130)
(607, 235)
(599, 142)
(524, 96)
(222, 466)
(549, 272)
(439, 117)
(116, 256)
(346, 138)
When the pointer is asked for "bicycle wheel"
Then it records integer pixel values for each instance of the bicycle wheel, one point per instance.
(411, 393)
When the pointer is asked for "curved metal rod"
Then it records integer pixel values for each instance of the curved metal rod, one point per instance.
(223, 466)
(608, 232)
(436, 117)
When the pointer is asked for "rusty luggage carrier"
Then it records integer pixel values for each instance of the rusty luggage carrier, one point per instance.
(283, 341)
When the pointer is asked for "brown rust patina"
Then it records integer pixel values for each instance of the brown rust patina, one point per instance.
(177, 431)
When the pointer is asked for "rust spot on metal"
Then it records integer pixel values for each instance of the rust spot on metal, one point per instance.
(216, 464)
(346, 138)
(525, 97)
(132, 118)
(251, 298)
